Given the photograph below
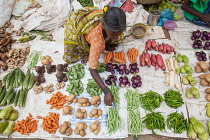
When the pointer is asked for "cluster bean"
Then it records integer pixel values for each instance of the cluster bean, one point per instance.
(150, 100)
(93, 89)
(114, 121)
(115, 92)
(173, 98)
(153, 121)
(75, 73)
(177, 122)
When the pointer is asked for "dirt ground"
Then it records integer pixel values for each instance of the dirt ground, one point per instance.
(143, 137)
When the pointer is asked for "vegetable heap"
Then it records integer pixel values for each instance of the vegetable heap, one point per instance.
(150, 100)
(93, 89)
(177, 122)
(153, 121)
(101, 67)
(173, 98)
(74, 74)
(133, 103)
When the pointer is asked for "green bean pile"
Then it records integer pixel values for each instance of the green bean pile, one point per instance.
(133, 101)
(134, 123)
(115, 92)
(114, 121)
(93, 89)
(177, 122)
(173, 98)
(101, 67)
(134, 118)
(86, 3)
(33, 58)
(150, 100)
(153, 121)
(75, 73)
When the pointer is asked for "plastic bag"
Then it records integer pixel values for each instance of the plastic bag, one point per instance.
(127, 6)
(6, 7)
(166, 14)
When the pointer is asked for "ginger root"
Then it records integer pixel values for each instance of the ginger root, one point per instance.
(49, 88)
(46, 60)
(38, 89)
(60, 85)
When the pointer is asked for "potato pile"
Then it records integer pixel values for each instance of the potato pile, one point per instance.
(65, 128)
(67, 110)
(94, 127)
(95, 113)
(83, 102)
(81, 113)
(96, 100)
(205, 79)
(80, 129)
(71, 99)
(192, 93)
(207, 91)
(202, 66)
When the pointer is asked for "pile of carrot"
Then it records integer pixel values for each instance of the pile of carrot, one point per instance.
(132, 55)
(115, 57)
(50, 122)
(29, 125)
(57, 100)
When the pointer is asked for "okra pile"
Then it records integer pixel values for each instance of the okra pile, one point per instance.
(173, 98)
(75, 74)
(153, 121)
(150, 100)
(92, 88)
(177, 122)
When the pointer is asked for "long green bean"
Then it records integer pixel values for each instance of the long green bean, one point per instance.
(33, 59)
(133, 101)
(115, 92)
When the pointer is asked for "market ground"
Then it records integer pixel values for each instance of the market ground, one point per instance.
(143, 137)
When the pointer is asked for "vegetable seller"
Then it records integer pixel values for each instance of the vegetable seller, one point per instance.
(197, 11)
(88, 32)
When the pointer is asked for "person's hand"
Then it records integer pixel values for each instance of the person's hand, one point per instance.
(206, 18)
(108, 98)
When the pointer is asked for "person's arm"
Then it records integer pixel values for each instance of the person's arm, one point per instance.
(186, 7)
(108, 97)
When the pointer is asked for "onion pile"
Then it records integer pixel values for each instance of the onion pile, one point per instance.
(111, 79)
(124, 81)
(136, 81)
(201, 56)
(134, 68)
(201, 40)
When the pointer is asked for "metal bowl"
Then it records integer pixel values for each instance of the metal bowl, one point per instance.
(139, 30)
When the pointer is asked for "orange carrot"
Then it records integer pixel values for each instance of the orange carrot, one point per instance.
(57, 99)
(50, 122)
(118, 60)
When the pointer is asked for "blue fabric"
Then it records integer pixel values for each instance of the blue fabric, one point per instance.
(166, 14)
(199, 21)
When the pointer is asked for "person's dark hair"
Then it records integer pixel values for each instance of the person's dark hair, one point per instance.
(114, 19)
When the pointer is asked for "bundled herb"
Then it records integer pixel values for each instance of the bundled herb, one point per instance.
(150, 100)
(173, 98)
(153, 121)
(114, 121)
(33, 59)
(177, 122)
(93, 89)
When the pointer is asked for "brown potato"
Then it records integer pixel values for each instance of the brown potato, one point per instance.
(203, 82)
(207, 91)
(82, 133)
(202, 76)
(208, 97)
(198, 69)
(76, 131)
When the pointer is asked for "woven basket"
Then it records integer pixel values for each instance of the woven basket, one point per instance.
(148, 1)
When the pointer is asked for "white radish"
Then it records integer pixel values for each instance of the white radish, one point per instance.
(172, 79)
(177, 84)
(175, 64)
(172, 63)
(167, 78)
(168, 65)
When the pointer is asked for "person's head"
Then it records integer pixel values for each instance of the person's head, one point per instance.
(114, 22)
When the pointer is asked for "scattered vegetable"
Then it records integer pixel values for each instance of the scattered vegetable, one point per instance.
(177, 122)
(95, 113)
(29, 125)
(57, 100)
(65, 128)
(173, 98)
(94, 127)
(153, 121)
(81, 114)
(150, 100)
(80, 129)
